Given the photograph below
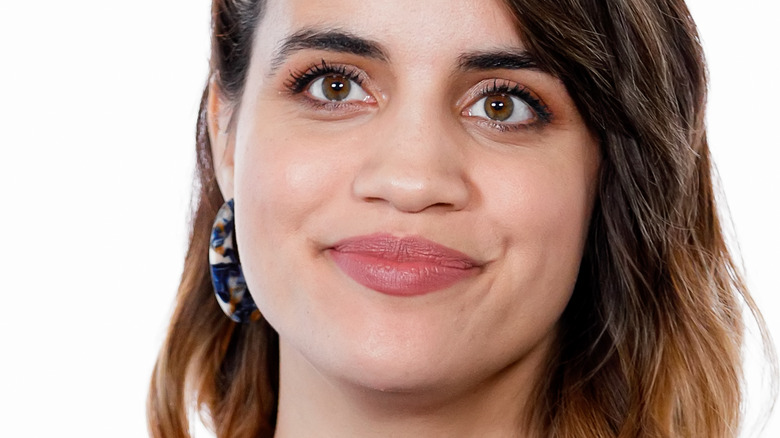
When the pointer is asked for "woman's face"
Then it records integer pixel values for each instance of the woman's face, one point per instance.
(412, 193)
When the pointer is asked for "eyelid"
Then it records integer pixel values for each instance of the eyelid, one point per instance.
(519, 107)
(299, 80)
(317, 92)
(494, 86)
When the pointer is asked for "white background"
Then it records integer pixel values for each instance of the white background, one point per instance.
(98, 103)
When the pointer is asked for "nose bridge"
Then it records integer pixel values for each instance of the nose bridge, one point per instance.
(415, 161)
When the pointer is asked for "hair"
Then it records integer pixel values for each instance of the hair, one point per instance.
(650, 344)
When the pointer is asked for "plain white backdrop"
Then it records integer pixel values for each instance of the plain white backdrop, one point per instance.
(97, 115)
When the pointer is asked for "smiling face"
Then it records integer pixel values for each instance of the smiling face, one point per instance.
(425, 130)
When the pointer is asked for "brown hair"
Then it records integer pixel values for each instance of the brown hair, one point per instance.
(650, 343)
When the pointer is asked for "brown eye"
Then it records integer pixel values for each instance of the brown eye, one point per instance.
(502, 107)
(499, 107)
(336, 88)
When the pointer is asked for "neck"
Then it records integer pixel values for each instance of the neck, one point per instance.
(314, 404)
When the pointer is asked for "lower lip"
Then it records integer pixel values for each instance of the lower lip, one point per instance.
(398, 278)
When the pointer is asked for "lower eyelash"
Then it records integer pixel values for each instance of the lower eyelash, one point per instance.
(330, 106)
(503, 127)
(299, 80)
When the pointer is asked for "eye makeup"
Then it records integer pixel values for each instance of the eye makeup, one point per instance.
(543, 114)
(491, 91)
(299, 80)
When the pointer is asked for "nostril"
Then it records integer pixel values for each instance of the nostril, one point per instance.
(373, 199)
(446, 205)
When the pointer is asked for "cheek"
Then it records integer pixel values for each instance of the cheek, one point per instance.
(539, 211)
(541, 205)
(286, 180)
(282, 178)
(276, 189)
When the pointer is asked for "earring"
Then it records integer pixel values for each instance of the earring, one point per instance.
(226, 273)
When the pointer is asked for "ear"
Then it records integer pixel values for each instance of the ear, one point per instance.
(219, 115)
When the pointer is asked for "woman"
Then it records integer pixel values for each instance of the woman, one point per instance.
(454, 218)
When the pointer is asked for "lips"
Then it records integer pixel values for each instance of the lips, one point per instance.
(406, 266)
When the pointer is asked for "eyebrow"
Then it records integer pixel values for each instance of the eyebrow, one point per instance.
(496, 60)
(337, 40)
(332, 40)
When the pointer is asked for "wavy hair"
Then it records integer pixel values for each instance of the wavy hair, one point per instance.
(650, 344)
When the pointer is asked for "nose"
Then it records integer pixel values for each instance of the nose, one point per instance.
(414, 165)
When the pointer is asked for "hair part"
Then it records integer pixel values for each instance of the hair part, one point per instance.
(650, 343)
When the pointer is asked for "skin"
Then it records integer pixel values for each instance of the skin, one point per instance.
(408, 160)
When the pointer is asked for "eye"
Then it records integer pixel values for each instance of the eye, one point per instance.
(507, 106)
(336, 88)
(503, 108)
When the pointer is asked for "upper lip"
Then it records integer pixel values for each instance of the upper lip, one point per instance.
(409, 249)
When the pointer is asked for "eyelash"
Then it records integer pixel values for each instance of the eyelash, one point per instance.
(300, 80)
(543, 114)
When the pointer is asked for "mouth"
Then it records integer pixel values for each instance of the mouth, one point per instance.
(406, 266)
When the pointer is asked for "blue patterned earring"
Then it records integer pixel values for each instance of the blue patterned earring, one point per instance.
(226, 273)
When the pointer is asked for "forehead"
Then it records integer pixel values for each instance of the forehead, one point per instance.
(417, 30)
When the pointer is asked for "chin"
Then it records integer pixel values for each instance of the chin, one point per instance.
(402, 377)
(410, 368)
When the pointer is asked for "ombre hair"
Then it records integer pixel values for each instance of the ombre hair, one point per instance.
(650, 343)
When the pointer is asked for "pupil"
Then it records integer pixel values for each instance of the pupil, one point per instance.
(336, 87)
(499, 107)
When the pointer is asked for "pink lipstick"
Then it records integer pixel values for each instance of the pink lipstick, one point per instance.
(401, 266)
